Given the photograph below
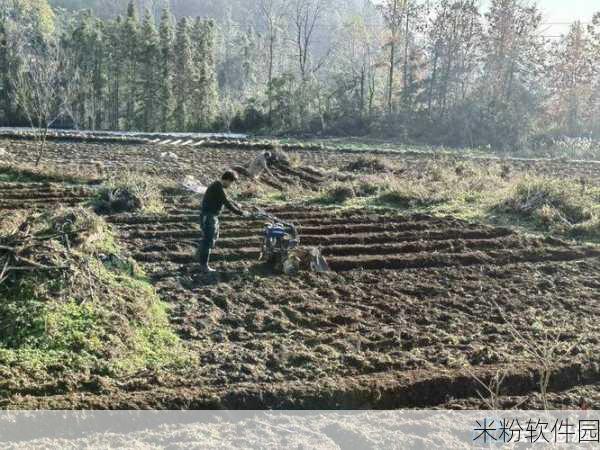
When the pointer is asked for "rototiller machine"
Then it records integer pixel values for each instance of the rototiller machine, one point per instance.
(281, 248)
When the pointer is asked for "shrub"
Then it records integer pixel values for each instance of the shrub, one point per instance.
(590, 229)
(251, 192)
(371, 185)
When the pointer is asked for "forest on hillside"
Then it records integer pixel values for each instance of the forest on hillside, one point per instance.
(438, 72)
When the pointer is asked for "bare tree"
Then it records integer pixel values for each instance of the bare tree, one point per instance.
(42, 92)
(453, 34)
(271, 13)
(393, 12)
(357, 60)
(306, 16)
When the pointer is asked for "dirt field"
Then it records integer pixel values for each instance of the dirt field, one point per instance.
(418, 311)
(206, 163)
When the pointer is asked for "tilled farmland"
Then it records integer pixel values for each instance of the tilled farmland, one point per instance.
(417, 311)
(175, 161)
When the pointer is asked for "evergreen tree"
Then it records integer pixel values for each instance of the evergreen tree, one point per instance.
(80, 47)
(99, 74)
(203, 75)
(5, 87)
(131, 44)
(166, 68)
(149, 74)
(115, 56)
(211, 91)
(181, 78)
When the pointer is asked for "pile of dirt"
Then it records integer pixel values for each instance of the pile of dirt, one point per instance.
(70, 302)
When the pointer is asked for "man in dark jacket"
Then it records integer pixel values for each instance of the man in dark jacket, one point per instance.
(212, 205)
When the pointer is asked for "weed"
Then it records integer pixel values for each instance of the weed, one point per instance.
(549, 351)
(491, 396)
(574, 148)
(369, 186)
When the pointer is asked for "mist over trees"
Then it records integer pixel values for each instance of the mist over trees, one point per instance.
(439, 72)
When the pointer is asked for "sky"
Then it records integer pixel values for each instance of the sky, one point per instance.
(559, 13)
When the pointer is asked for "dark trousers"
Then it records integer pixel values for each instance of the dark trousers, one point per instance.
(210, 234)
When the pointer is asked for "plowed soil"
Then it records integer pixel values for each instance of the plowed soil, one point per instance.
(415, 310)
(208, 163)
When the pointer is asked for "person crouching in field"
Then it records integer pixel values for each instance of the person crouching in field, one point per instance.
(260, 165)
(212, 205)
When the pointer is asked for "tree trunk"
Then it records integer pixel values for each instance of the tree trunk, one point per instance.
(391, 77)
(42, 146)
(406, 52)
(270, 76)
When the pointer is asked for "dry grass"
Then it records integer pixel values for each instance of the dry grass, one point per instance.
(555, 205)
(410, 194)
(549, 200)
(442, 182)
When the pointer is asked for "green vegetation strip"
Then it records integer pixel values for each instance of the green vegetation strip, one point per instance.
(489, 193)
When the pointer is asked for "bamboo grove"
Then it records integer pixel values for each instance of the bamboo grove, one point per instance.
(124, 74)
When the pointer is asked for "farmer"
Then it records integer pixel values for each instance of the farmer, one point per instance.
(260, 165)
(212, 205)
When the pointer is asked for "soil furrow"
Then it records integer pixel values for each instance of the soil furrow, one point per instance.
(463, 259)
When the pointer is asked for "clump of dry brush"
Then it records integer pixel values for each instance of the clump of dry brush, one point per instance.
(368, 165)
(557, 205)
(43, 243)
(128, 192)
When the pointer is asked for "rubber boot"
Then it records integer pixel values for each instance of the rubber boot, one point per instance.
(204, 258)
